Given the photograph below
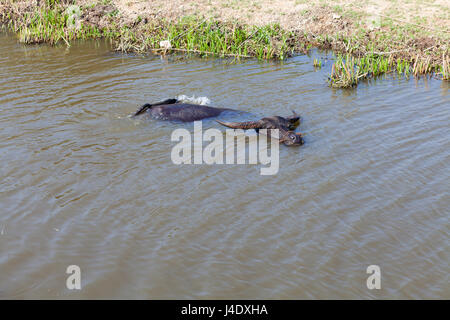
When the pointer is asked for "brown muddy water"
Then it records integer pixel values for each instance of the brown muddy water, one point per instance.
(83, 184)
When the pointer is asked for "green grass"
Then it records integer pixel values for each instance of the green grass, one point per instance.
(348, 70)
(403, 67)
(373, 66)
(317, 63)
(211, 38)
(51, 25)
(345, 72)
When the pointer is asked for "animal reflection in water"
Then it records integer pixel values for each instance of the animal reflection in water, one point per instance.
(175, 110)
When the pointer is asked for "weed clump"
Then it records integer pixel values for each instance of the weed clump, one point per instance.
(210, 38)
(345, 72)
(52, 24)
(317, 63)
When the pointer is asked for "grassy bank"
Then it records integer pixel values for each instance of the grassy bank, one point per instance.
(408, 50)
(55, 22)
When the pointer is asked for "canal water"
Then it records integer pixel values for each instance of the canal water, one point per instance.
(81, 183)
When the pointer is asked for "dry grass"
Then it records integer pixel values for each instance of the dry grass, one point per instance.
(445, 68)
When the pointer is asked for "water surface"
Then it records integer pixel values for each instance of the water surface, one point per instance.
(81, 183)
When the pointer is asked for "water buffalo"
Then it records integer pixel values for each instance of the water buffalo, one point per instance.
(173, 109)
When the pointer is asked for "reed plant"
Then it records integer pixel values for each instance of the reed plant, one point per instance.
(345, 72)
(317, 63)
(445, 68)
(422, 65)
